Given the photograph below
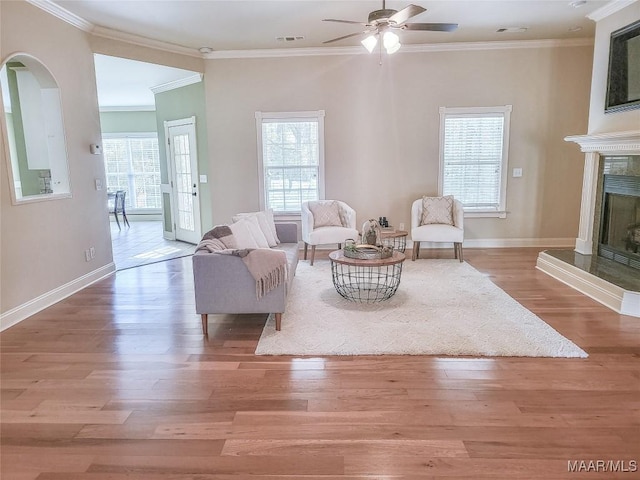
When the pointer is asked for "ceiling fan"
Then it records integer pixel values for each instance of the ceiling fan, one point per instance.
(384, 21)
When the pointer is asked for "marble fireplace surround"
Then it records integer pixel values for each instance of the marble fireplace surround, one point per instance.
(595, 146)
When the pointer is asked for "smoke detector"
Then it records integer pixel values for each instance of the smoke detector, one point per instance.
(205, 50)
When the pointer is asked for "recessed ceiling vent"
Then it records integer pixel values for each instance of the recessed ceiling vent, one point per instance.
(512, 30)
(289, 39)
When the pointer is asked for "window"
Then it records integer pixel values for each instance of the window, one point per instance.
(132, 164)
(473, 158)
(291, 159)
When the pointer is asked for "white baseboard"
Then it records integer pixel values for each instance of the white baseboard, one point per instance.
(21, 312)
(616, 298)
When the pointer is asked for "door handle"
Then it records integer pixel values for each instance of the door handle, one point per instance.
(195, 194)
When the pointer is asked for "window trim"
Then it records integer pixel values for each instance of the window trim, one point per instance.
(313, 115)
(119, 135)
(505, 111)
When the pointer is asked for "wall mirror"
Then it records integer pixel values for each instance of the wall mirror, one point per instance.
(33, 129)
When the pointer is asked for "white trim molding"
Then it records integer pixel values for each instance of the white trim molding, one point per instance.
(21, 312)
(63, 14)
(181, 82)
(610, 143)
(609, 9)
(414, 48)
(622, 301)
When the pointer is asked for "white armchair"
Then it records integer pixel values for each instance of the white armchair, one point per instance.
(437, 232)
(334, 222)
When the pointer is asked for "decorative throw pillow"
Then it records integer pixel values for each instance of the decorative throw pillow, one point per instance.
(242, 235)
(266, 222)
(437, 210)
(256, 231)
(325, 214)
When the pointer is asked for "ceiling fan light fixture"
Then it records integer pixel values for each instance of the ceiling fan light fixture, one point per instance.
(391, 42)
(370, 43)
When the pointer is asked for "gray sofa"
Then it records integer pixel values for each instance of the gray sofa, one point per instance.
(224, 285)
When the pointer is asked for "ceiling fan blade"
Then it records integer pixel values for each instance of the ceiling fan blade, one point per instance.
(405, 14)
(343, 21)
(433, 27)
(348, 36)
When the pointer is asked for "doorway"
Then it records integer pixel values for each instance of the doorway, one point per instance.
(182, 158)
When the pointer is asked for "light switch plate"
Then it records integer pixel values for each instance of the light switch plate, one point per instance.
(98, 184)
(517, 172)
(203, 179)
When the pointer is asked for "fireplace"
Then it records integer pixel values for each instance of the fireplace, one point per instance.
(605, 261)
(619, 216)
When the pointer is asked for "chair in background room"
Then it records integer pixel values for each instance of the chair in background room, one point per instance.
(438, 220)
(119, 207)
(325, 222)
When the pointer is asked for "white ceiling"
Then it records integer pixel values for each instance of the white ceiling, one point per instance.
(255, 24)
(127, 83)
(237, 25)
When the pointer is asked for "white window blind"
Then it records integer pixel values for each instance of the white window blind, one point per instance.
(132, 164)
(474, 144)
(291, 156)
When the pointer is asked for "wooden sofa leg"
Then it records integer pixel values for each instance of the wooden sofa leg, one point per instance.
(313, 253)
(306, 245)
(460, 255)
(416, 251)
(278, 321)
(205, 324)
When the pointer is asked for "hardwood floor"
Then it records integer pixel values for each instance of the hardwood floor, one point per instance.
(117, 382)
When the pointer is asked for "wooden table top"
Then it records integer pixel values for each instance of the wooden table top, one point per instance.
(338, 257)
(394, 233)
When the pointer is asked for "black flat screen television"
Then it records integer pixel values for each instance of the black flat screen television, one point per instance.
(623, 83)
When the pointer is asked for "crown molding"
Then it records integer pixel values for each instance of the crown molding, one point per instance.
(181, 82)
(63, 14)
(133, 39)
(417, 48)
(609, 9)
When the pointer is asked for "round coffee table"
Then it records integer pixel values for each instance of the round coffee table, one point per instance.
(395, 238)
(366, 281)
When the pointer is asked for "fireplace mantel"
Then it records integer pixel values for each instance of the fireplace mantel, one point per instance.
(616, 143)
(594, 146)
(608, 143)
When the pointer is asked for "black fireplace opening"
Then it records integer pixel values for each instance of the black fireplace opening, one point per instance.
(620, 221)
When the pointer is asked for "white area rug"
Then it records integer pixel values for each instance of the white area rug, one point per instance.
(442, 307)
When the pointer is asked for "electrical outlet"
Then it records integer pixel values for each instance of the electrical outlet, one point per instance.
(92, 252)
(517, 172)
(401, 226)
(98, 184)
(87, 255)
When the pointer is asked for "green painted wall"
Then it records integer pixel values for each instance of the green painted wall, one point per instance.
(128, 122)
(29, 179)
(186, 102)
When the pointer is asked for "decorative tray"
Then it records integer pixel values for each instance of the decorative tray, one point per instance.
(367, 252)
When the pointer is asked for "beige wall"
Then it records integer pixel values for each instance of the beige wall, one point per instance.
(599, 122)
(381, 128)
(42, 245)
